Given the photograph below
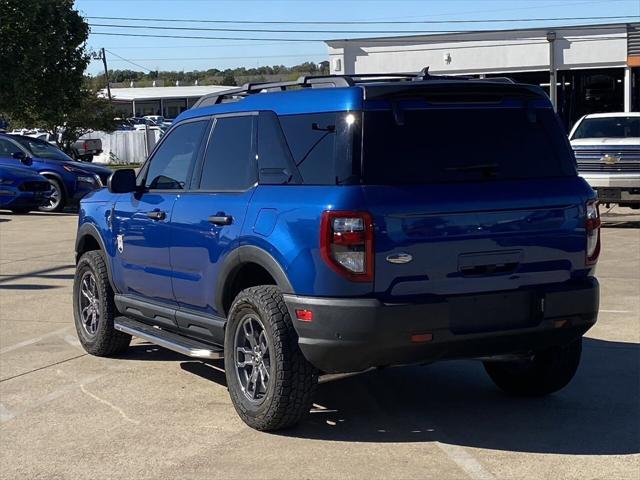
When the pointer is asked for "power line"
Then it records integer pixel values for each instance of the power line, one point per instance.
(361, 22)
(228, 58)
(267, 30)
(386, 40)
(129, 61)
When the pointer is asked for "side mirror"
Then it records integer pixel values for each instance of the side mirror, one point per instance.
(122, 181)
(24, 158)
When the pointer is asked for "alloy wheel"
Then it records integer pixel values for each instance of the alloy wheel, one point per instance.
(89, 303)
(252, 358)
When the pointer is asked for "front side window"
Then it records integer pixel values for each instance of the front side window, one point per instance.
(172, 164)
(608, 127)
(230, 162)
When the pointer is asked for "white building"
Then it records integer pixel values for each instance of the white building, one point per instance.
(596, 67)
(166, 101)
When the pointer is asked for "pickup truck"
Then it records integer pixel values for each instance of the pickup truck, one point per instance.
(607, 149)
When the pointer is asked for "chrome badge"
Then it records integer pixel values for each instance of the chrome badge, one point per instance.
(120, 242)
(610, 159)
(399, 258)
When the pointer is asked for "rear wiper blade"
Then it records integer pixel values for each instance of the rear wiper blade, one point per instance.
(479, 166)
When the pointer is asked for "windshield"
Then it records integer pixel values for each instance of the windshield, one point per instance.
(404, 146)
(42, 149)
(608, 127)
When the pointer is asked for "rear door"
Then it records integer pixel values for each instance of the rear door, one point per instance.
(207, 220)
(142, 265)
(470, 200)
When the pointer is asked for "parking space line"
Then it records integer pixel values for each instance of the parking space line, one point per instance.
(109, 404)
(5, 414)
(31, 341)
(467, 462)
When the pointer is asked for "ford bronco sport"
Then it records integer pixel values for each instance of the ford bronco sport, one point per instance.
(339, 223)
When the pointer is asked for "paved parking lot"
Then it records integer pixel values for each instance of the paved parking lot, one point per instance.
(156, 414)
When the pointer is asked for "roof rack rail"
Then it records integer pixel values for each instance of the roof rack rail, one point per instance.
(329, 81)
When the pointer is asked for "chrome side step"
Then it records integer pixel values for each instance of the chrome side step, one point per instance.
(163, 338)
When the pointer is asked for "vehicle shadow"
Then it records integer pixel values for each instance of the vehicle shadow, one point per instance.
(456, 403)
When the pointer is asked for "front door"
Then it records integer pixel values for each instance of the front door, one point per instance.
(207, 221)
(141, 220)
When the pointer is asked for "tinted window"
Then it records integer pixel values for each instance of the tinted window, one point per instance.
(7, 148)
(41, 149)
(453, 145)
(173, 162)
(322, 146)
(611, 127)
(274, 157)
(230, 162)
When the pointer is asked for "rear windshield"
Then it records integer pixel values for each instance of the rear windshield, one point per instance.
(608, 127)
(438, 145)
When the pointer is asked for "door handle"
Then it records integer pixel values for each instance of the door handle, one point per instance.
(220, 219)
(157, 215)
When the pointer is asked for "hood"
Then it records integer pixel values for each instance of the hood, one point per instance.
(81, 167)
(21, 173)
(599, 142)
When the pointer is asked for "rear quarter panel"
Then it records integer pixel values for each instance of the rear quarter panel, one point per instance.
(284, 221)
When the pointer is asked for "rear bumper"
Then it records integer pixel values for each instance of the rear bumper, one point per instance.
(349, 335)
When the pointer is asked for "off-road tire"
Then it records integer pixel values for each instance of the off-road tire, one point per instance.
(107, 340)
(547, 372)
(293, 379)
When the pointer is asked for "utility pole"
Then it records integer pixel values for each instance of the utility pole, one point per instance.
(106, 72)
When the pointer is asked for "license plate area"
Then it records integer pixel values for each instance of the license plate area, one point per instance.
(492, 312)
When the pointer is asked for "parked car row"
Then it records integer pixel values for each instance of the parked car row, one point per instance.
(68, 180)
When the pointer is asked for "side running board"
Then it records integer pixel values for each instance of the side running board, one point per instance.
(163, 338)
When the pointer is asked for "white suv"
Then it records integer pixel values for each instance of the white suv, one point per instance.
(607, 148)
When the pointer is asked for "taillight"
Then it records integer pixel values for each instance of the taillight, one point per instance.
(85, 145)
(592, 227)
(346, 243)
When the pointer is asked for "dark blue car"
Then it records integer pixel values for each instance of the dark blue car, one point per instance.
(70, 180)
(339, 223)
(22, 189)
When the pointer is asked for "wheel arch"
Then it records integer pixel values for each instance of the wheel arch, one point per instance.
(56, 176)
(88, 239)
(248, 266)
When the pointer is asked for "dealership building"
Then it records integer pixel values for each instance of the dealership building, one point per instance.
(168, 102)
(584, 69)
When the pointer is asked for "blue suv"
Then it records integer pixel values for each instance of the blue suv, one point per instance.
(69, 180)
(339, 223)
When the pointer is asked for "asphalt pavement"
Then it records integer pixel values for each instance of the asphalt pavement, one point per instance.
(154, 414)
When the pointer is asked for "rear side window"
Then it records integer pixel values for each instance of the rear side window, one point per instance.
(322, 146)
(172, 164)
(463, 144)
(230, 162)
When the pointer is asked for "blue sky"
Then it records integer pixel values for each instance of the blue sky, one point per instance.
(201, 54)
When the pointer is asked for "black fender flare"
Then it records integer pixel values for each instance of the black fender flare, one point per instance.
(241, 256)
(90, 230)
(49, 174)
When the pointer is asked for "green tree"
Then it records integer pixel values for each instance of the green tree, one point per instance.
(93, 113)
(228, 79)
(43, 58)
